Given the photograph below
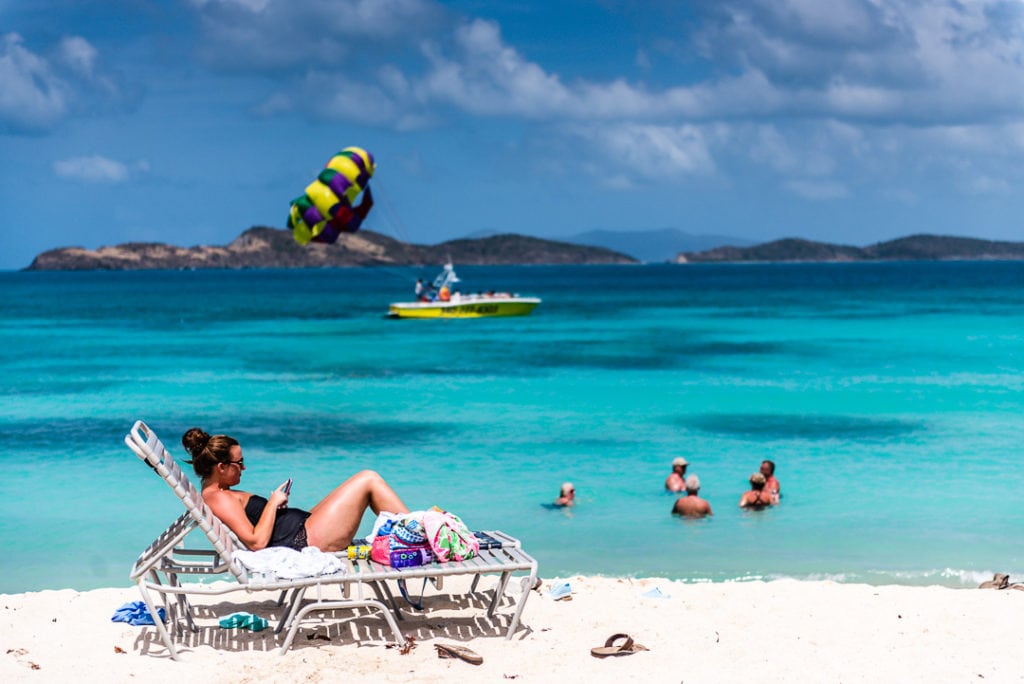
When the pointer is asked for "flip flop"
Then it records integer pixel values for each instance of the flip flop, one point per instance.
(460, 652)
(246, 620)
(627, 647)
(656, 592)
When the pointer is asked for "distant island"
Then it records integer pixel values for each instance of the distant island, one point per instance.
(262, 247)
(911, 248)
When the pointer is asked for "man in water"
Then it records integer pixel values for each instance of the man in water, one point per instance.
(771, 485)
(691, 505)
(676, 482)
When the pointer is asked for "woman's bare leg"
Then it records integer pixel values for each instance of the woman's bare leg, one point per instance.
(333, 522)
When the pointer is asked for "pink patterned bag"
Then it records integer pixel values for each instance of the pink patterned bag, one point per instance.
(449, 537)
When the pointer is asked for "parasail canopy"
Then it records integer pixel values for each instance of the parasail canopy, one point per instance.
(327, 209)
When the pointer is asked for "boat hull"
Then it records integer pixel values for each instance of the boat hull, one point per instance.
(477, 308)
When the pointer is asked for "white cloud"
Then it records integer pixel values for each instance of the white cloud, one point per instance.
(79, 55)
(97, 169)
(488, 77)
(37, 92)
(814, 91)
(881, 61)
(32, 96)
(649, 151)
(285, 37)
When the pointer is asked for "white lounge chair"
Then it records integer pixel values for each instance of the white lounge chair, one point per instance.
(160, 567)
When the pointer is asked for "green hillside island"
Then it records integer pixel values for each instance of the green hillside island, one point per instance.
(912, 248)
(262, 247)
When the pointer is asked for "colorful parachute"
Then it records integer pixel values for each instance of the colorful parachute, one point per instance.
(326, 210)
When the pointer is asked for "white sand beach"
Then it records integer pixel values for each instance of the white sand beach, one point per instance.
(730, 632)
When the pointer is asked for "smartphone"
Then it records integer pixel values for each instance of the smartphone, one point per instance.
(288, 486)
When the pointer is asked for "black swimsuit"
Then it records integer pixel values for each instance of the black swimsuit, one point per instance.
(289, 526)
(757, 503)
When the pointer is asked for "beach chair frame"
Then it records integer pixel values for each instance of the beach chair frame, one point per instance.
(158, 570)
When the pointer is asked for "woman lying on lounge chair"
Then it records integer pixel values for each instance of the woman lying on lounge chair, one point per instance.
(259, 523)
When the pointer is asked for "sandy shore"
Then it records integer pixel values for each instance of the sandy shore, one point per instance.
(733, 632)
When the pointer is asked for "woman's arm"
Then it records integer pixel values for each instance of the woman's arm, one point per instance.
(229, 508)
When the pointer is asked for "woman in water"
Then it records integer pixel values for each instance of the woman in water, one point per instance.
(259, 523)
(566, 495)
(757, 497)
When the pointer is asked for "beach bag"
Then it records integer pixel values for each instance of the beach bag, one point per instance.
(401, 543)
(448, 536)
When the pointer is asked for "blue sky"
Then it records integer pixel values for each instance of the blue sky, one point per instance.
(188, 121)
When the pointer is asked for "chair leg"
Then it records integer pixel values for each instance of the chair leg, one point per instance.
(499, 591)
(161, 628)
(380, 589)
(184, 607)
(293, 605)
(339, 605)
(527, 586)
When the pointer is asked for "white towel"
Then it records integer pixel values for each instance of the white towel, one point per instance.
(285, 563)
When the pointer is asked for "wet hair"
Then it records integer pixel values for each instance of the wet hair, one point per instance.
(757, 481)
(207, 451)
(771, 465)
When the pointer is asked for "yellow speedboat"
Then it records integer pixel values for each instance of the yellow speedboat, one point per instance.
(441, 301)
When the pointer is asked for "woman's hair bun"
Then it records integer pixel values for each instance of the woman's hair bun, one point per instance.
(194, 441)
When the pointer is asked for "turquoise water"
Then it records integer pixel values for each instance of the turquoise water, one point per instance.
(890, 395)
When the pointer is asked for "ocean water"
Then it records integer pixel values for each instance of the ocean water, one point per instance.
(890, 395)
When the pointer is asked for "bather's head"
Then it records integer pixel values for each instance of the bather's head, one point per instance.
(209, 452)
(679, 465)
(767, 468)
(757, 481)
(692, 484)
(567, 490)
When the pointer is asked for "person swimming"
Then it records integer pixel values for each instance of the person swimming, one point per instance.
(566, 495)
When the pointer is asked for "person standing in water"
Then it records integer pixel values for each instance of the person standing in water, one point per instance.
(771, 484)
(691, 505)
(676, 482)
(757, 497)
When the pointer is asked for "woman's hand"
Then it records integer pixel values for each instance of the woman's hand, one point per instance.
(279, 498)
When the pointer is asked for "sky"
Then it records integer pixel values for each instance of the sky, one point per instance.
(189, 121)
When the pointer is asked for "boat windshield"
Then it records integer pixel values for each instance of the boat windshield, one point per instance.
(446, 277)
